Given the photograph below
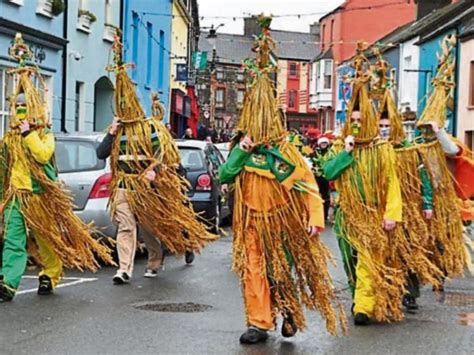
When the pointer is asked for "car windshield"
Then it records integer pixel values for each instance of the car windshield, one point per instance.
(192, 159)
(75, 155)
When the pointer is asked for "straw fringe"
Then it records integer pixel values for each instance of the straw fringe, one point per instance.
(282, 231)
(447, 243)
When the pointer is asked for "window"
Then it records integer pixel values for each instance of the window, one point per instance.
(79, 105)
(322, 37)
(135, 51)
(6, 90)
(149, 53)
(318, 73)
(469, 139)
(240, 97)
(292, 99)
(220, 75)
(327, 74)
(471, 85)
(161, 60)
(220, 98)
(72, 156)
(332, 31)
(293, 70)
(240, 76)
(192, 159)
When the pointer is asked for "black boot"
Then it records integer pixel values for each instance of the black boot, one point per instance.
(189, 257)
(409, 302)
(45, 286)
(253, 335)
(361, 319)
(6, 294)
(288, 328)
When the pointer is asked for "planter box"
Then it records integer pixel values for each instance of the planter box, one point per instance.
(45, 8)
(16, 2)
(109, 33)
(84, 23)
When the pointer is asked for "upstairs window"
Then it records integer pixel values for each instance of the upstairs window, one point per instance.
(293, 70)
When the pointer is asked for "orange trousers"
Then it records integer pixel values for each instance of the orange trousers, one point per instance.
(256, 287)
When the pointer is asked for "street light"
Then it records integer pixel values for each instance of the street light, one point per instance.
(211, 37)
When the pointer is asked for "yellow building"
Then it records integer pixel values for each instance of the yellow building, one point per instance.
(180, 23)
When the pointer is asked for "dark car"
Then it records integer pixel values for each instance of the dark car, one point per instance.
(202, 161)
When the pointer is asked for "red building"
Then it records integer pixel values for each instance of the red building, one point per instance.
(354, 20)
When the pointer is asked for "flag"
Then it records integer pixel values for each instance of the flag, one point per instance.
(199, 60)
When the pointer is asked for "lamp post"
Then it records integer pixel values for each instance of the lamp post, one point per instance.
(212, 36)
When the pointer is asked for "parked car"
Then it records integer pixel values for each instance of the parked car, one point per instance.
(202, 161)
(87, 177)
(224, 148)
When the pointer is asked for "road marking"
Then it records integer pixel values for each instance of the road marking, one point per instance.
(77, 281)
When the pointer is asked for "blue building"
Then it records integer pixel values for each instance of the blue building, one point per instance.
(91, 28)
(429, 43)
(42, 27)
(147, 44)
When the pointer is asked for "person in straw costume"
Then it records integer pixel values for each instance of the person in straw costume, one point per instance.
(36, 210)
(417, 192)
(278, 214)
(146, 187)
(447, 242)
(373, 244)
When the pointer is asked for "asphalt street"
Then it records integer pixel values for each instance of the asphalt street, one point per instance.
(89, 315)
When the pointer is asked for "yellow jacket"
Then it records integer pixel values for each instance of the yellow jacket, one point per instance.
(42, 150)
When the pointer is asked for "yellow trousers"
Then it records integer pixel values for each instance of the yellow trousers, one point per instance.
(364, 296)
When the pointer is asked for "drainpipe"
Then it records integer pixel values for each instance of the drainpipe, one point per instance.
(64, 83)
(456, 87)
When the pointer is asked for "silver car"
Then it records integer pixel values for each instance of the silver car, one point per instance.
(87, 177)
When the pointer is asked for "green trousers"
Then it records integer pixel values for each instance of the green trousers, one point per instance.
(349, 254)
(14, 250)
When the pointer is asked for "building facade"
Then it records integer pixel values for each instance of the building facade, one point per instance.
(147, 43)
(465, 127)
(92, 26)
(43, 29)
(180, 105)
(340, 31)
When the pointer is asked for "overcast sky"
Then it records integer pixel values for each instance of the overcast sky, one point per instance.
(232, 8)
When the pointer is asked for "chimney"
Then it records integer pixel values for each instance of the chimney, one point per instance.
(425, 7)
(251, 26)
(315, 29)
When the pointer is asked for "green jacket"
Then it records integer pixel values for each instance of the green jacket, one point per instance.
(233, 166)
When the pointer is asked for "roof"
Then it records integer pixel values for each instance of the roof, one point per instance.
(90, 136)
(234, 48)
(468, 30)
(324, 55)
(230, 48)
(303, 48)
(426, 24)
(455, 18)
